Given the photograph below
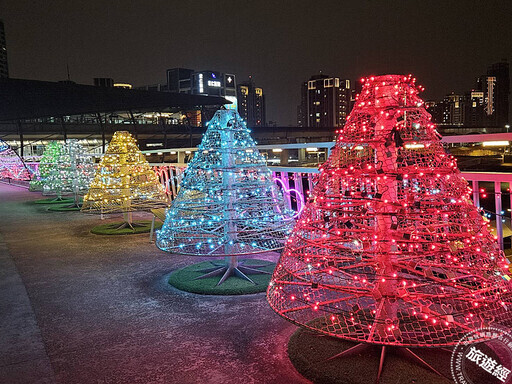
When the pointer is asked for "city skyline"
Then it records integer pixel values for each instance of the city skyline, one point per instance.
(445, 45)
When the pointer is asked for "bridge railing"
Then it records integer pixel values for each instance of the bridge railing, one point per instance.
(297, 182)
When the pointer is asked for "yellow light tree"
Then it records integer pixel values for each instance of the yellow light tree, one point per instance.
(124, 182)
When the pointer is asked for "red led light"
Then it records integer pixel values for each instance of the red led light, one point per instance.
(390, 241)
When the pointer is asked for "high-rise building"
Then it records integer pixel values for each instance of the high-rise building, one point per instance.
(455, 105)
(497, 89)
(325, 101)
(4, 68)
(302, 109)
(449, 111)
(474, 108)
(486, 105)
(211, 83)
(440, 111)
(179, 80)
(208, 83)
(251, 103)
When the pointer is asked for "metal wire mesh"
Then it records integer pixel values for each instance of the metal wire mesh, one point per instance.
(124, 181)
(71, 172)
(390, 249)
(228, 203)
(11, 165)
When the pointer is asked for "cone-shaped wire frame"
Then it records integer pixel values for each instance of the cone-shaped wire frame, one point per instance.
(389, 248)
(11, 164)
(72, 172)
(124, 180)
(51, 153)
(228, 203)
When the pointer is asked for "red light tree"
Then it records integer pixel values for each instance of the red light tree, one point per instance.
(390, 249)
(11, 164)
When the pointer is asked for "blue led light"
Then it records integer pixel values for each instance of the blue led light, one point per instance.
(228, 196)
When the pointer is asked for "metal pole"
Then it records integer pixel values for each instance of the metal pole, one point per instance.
(20, 132)
(476, 193)
(499, 224)
(286, 184)
(297, 177)
(64, 130)
(102, 128)
(230, 227)
(134, 125)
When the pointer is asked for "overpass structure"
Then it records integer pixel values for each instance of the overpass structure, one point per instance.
(39, 110)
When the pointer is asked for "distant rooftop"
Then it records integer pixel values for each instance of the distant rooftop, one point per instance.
(28, 99)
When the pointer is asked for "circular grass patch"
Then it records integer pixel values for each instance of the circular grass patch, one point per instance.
(63, 208)
(309, 353)
(183, 279)
(143, 226)
(53, 200)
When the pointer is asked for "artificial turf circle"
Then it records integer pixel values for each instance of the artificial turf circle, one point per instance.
(309, 353)
(53, 200)
(183, 279)
(143, 226)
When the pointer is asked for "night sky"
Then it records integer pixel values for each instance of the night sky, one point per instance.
(445, 44)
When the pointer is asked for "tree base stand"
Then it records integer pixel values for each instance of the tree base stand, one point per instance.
(203, 278)
(63, 208)
(404, 352)
(54, 200)
(35, 188)
(318, 358)
(123, 228)
(227, 271)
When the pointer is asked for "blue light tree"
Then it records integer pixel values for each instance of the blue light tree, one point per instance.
(228, 204)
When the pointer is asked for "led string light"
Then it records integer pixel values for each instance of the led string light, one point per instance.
(71, 172)
(124, 181)
(228, 203)
(51, 153)
(390, 249)
(11, 165)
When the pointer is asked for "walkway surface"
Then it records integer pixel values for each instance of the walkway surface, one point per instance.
(81, 308)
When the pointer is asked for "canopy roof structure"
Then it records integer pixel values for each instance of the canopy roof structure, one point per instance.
(29, 99)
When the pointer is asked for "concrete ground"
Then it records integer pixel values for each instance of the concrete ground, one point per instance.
(82, 308)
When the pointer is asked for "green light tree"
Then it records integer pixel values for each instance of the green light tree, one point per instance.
(51, 152)
(71, 173)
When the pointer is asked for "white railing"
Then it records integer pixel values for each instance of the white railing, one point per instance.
(328, 145)
(302, 179)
